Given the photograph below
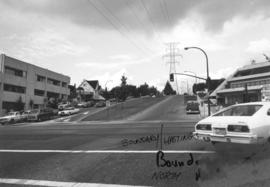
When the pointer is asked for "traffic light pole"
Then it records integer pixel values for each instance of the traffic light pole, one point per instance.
(207, 71)
(171, 77)
(207, 84)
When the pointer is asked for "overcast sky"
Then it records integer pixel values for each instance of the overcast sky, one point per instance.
(104, 39)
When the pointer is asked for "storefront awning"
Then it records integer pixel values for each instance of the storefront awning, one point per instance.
(232, 90)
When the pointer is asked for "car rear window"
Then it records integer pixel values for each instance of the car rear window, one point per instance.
(240, 110)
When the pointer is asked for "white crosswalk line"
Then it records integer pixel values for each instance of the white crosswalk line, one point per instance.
(55, 183)
(105, 151)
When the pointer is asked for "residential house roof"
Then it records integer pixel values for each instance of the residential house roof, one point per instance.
(93, 83)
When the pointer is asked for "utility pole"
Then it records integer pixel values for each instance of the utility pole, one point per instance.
(171, 57)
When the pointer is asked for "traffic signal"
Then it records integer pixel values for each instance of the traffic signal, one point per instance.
(171, 77)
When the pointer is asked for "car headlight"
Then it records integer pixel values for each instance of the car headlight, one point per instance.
(206, 127)
(238, 128)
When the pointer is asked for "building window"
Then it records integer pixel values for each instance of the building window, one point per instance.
(39, 92)
(53, 81)
(52, 95)
(41, 78)
(64, 84)
(13, 88)
(15, 72)
(9, 106)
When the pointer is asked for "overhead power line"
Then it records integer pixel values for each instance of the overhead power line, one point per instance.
(113, 24)
(151, 21)
(167, 12)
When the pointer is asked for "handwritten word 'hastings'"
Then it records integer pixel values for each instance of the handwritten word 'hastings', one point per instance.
(175, 139)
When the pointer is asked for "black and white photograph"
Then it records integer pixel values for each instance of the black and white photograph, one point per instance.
(134, 93)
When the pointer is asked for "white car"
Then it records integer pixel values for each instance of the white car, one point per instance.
(11, 117)
(68, 111)
(245, 123)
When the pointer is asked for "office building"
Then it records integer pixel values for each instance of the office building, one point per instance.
(30, 84)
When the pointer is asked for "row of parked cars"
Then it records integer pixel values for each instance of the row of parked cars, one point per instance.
(29, 115)
(47, 113)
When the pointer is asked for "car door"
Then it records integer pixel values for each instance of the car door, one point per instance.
(17, 116)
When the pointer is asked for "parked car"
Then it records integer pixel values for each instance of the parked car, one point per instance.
(82, 105)
(100, 104)
(193, 107)
(25, 114)
(68, 111)
(62, 106)
(86, 104)
(40, 114)
(11, 117)
(242, 123)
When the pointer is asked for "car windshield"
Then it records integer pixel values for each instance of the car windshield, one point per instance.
(240, 110)
(70, 108)
(34, 111)
(11, 113)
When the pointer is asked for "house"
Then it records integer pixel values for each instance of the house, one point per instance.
(248, 83)
(89, 90)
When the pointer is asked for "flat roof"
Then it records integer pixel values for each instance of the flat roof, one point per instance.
(34, 65)
(241, 89)
(259, 75)
(256, 65)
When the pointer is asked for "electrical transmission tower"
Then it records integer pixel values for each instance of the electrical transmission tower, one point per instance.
(172, 57)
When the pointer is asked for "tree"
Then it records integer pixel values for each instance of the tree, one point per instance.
(31, 103)
(168, 90)
(73, 92)
(198, 87)
(19, 104)
(143, 90)
(214, 83)
(53, 103)
(123, 81)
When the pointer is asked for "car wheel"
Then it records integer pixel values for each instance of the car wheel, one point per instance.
(12, 121)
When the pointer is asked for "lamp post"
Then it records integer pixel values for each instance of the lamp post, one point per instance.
(207, 71)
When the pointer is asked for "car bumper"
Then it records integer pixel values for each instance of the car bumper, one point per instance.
(192, 111)
(62, 114)
(243, 139)
(4, 121)
(32, 118)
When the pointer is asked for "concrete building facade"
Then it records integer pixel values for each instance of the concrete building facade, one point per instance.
(246, 84)
(31, 84)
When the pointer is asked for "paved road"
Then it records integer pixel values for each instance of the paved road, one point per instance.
(169, 109)
(241, 164)
(85, 153)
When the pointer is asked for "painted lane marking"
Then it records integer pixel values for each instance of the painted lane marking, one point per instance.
(55, 183)
(104, 151)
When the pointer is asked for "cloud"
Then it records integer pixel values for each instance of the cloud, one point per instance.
(124, 60)
(131, 16)
(259, 46)
(45, 43)
(121, 57)
(111, 79)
